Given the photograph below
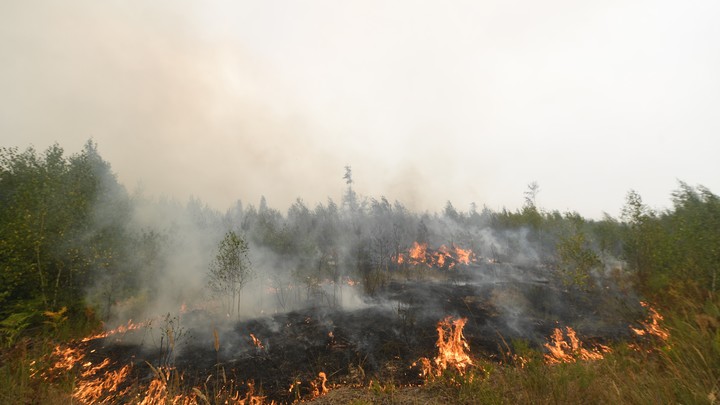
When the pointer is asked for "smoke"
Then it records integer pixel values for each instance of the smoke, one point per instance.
(327, 260)
(175, 108)
(191, 109)
(328, 293)
(469, 102)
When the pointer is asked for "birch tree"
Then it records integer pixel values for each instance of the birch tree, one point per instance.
(230, 271)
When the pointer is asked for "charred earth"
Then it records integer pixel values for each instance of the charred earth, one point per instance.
(283, 354)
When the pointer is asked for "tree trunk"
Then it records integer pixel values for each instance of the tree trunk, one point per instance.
(57, 287)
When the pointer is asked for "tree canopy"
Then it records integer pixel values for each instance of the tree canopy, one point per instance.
(70, 239)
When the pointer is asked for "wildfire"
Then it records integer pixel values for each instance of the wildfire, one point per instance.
(442, 257)
(160, 390)
(107, 382)
(569, 350)
(464, 256)
(652, 326)
(258, 344)
(67, 358)
(453, 349)
(318, 385)
(95, 383)
(417, 252)
(120, 329)
(250, 397)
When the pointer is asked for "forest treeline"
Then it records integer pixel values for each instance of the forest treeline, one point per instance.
(74, 242)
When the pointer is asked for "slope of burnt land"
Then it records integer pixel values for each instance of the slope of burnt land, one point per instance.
(381, 338)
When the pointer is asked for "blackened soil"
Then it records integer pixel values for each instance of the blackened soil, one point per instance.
(381, 339)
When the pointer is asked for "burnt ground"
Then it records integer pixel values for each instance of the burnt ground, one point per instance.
(380, 339)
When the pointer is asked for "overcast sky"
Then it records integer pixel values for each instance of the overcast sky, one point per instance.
(428, 101)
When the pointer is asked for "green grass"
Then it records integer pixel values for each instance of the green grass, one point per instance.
(22, 364)
(21, 378)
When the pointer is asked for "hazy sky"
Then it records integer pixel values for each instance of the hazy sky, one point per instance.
(428, 101)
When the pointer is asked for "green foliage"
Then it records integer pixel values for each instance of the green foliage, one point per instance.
(230, 271)
(63, 221)
(55, 319)
(576, 260)
(678, 247)
(14, 325)
(696, 235)
(65, 243)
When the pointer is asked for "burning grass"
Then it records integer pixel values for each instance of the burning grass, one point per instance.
(652, 326)
(567, 348)
(367, 354)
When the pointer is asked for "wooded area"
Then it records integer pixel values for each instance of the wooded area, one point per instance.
(74, 245)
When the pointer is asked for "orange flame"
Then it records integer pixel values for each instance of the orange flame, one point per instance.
(442, 257)
(318, 385)
(120, 329)
(464, 256)
(453, 349)
(257, 342)
(159, 392)
(562, 350)
(417, 252)
(67, 358)
(98, 383)
(95, 383)
(651, 326)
